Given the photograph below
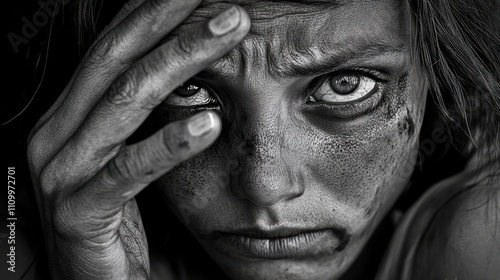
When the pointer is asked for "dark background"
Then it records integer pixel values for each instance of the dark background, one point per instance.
(33, 77)
(23, 72)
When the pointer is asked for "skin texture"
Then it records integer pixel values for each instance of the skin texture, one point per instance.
(462, 238)
(85, 176)
(280, 161)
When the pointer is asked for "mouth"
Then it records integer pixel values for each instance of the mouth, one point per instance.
(282, 243)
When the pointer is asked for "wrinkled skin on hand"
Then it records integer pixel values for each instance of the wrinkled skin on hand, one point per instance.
(85, 176)
(286, 156)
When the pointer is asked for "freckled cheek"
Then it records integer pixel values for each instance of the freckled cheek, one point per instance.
(368, 168)
(368, 164)
(198, 187)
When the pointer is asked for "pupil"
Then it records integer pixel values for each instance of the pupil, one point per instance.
(345, 84)
(187, 90)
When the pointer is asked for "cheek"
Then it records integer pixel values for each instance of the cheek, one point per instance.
(199, 187)
(363, 165)
(368, 163)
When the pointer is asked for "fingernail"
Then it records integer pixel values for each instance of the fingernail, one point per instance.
(225, 22)
(201, 124)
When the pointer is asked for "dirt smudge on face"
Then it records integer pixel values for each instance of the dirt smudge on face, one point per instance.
(407, 125)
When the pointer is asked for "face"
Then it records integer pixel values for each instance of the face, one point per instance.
(321, 110)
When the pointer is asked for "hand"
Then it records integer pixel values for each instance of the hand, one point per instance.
(85, 176)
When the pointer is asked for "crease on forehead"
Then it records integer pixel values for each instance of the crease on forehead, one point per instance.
(264, 14)
(281, 30)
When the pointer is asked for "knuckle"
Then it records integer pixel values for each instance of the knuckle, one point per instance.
(44, 173)
(122, 91)
(33, 151)
(153, 11)
(130, 6)
(158, 8)
(105, 50)
(163, 54)
(123, 167)
(126, 89)
(74, 215)
(41, 144)
(158, 4)
(174, 147)
(136, 86)
(187, 45)
(104, 57)
(48, 179)
(145, 16)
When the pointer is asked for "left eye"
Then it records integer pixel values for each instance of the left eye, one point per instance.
(190, 94)
(344, 88)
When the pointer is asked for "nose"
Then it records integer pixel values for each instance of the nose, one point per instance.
(261, 118)
(268, 173)
(265, 176)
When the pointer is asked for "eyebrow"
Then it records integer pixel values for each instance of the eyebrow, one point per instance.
(311, 62)
(327, 60)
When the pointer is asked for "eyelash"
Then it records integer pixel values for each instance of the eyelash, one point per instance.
(342, 110)
(370, 73)
(352, 109)
(177, 113)
(172, 113)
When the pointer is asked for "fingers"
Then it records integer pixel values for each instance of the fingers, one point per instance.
(147, 83)
(136, 166)
(131, 34)
(126, 10)
(138, 32)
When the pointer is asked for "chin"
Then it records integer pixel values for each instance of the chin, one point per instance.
(323, 268)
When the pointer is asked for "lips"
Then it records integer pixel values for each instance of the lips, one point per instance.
(278, 244)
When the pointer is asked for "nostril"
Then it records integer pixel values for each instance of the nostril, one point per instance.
(265, 177)
(261, 201)
(265, 192)
(297, 195)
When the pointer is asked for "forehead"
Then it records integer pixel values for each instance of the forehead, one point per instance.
(294, 30)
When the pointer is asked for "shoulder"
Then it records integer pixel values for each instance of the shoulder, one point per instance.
(462, 240)
(452, 232)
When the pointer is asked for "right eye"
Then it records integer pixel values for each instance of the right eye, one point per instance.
(190, 94)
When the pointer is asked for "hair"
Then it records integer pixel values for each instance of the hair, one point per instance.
(457, 45)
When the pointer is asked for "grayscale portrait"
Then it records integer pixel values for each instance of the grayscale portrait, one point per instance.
(260, 140)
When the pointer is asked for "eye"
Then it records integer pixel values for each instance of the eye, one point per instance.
(344, 88)
(190, 94)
